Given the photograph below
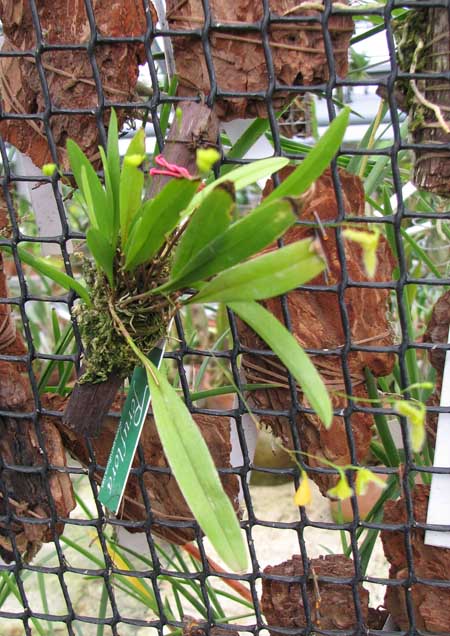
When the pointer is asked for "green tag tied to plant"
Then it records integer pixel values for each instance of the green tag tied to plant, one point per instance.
(127, 436)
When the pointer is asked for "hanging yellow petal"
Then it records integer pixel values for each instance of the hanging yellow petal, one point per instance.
(342, 490)
(369, 244)
(303, 496)
(415, 413)
(364, 477)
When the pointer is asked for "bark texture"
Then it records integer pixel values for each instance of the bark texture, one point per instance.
(437, 333)
(424, 46)
(431, 604)
(331, 604)
(69, 74)
(316, 320)
(29, 501)
(197, 627)
(239, 62)
(166, 501)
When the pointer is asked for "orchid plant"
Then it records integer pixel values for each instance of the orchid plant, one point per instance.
(184, 246)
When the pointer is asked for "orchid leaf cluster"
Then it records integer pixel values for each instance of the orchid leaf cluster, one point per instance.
(185, 245)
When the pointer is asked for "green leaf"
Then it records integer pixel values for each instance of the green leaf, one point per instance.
(113, 154)
(102, 251)
(44, 268)
(193, 468)
(210, 219)
(131, 183)
(99, 214)
(317, 160)
(286, 347)
(241, 177)
(265, 276)
(158, 218)
(240, 240)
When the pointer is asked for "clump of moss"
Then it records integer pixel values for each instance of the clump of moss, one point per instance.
(106, 350)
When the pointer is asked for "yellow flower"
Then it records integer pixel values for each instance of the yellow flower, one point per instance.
(342, 489)
(134, 160)
(206, 158)
(48, 169)
(303, 496)
(415, 413)
(369, 243)
(364, 477)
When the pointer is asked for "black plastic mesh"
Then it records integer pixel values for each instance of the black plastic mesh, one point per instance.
(79, 617)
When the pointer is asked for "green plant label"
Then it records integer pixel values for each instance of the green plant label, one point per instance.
(127, 436)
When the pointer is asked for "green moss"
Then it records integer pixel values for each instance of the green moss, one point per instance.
(106, 351)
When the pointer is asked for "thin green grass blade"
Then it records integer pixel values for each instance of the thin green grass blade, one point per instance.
(286, 347)
(381, 421)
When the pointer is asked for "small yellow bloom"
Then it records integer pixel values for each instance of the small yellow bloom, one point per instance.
(303, 496)
(134, 160)
(48, 169)
(206, 158)
(364, 477)
(342, 489)
(369, 243)
(415, 413)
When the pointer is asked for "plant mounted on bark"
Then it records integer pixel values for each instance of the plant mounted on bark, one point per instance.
(148, 261)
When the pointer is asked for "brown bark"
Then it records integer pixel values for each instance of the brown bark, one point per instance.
(196, 627)
(437, 333)
(166, 501)
(431, 604)
(69, 73)
(316, 324)
(27, 498)
(331, 604)
(25, 505)
(297, 51)
(432, 169)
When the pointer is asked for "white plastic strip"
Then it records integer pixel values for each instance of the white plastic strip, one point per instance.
(439, 503)
(43, 203)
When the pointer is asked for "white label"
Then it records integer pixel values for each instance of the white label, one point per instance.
(439, 503)
(43, 203)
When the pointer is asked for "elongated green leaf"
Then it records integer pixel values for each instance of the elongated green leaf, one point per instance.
(131, 183)
(317, 160)
(193, 468)
(210, 220)
(114, 168)
(90, 205)
(111, 232)
(157, 219)
(265, 276)
(241, 240)
(43, 267)
(241, 177)
(102, 251)
(286, 347)
(98, 208)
